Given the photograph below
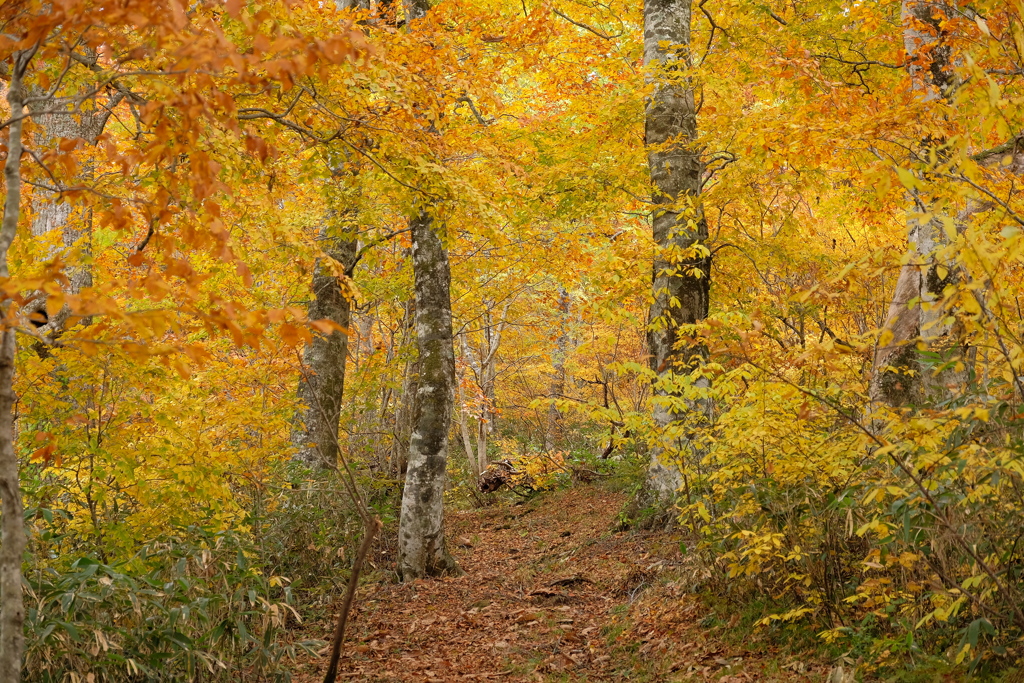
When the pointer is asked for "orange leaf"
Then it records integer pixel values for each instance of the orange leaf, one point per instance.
(44, 453)
(327, 326)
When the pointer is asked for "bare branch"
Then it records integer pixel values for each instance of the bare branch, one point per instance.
(585, 27)
(481, 120)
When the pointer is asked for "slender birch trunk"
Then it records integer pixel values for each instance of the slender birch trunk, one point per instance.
(12, 540)
(682, 266)
(901, 378)
(467, 441)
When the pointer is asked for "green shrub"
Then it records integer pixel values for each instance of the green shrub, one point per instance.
(186, 607)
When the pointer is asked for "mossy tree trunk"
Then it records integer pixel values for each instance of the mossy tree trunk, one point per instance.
(421, 540)
(322, 384)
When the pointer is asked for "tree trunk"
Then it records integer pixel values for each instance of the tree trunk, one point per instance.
(467, 444)
(65, 119)
(12, 540)
(405, 404)
(421, 542)
(322, 384)
(557, 388)
(901, 377)
(682, 265)
(484, 366)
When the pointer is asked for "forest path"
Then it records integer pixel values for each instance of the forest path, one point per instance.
(551, 593)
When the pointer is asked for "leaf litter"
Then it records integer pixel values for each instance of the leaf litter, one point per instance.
(536, 603)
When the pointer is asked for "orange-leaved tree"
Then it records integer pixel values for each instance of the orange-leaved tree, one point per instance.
(175, 72)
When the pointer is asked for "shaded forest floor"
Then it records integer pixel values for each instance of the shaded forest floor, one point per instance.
(551, 593)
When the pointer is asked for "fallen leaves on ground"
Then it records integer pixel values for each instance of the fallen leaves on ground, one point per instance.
(538, 603)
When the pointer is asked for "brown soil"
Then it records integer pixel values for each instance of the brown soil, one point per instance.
(550, 592)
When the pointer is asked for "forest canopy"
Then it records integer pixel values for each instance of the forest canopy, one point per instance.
(286, 285)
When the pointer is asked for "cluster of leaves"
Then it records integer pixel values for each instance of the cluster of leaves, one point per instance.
(915, 541)
(539, 471)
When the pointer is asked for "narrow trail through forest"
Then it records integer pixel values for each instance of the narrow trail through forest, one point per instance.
(550, 592)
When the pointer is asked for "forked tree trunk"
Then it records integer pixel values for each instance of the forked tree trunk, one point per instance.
(12, 540)
(421, 540)
(682, 267)
(322, 384)
(901, 376)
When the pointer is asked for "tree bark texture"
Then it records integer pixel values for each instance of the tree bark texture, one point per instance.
(682, 267)
(12, 533)
(901, 375)
(65, 119)
(421, 541)
(322, 384)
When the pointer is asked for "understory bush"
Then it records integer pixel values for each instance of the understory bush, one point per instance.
(308, 531)
(187, 607)
(889, 532)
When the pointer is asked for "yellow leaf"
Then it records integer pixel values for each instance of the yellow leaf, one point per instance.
(885, 338)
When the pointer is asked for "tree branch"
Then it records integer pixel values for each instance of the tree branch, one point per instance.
(585, 27)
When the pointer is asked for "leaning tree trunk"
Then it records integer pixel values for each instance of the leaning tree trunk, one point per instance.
(421, 542)
(901, 376)
(323, 374)
(682, 266)
(12, 534)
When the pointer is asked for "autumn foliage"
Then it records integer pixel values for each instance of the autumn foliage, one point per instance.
(849, 461)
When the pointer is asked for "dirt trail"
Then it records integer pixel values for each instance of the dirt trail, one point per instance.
(550, 592)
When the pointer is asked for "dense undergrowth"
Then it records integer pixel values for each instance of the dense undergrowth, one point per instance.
(889, 538)
(886, 540)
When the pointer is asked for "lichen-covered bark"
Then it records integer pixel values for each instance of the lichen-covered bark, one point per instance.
(916, 316)
(421, 541)
(415, 9)
(681, 277)
(322, 385)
